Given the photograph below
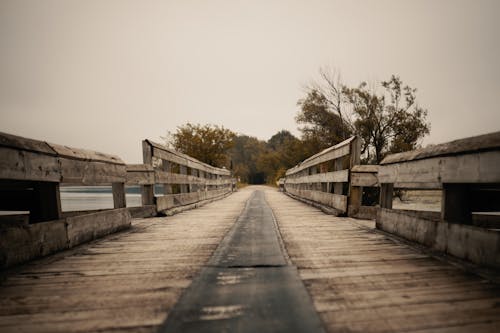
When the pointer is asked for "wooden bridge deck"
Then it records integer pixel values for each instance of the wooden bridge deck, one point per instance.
(359, 280)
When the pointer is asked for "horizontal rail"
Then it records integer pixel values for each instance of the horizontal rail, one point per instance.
(321, 177)
(185, 180)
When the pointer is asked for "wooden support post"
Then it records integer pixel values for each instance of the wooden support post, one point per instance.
(183, 171)
(148, 195)
(386, 193)
(46, 204)
(456, 204)
(337, 187)
(355, 198)
(119, 199)
(166, 166)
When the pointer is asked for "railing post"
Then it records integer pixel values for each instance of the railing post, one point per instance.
(148, 195)
(355, 193)
(119, 199)
(386, 193)
(183, 171)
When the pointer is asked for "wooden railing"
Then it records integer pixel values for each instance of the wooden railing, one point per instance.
(186, 181)
(323, 179)
(467, 172)
(31, 173)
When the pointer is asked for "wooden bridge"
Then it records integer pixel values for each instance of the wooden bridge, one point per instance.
(199, 255)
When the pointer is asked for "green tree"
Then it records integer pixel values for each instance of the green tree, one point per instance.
(207, 143)
(390, 122)
(244, 155)
(387, 122)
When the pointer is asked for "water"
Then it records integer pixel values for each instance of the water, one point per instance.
(77, 198)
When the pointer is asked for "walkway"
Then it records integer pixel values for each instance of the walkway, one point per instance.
(127, 282)
(358, 279)
(362, 281)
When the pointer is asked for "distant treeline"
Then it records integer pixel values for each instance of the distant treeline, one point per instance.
(387, 119)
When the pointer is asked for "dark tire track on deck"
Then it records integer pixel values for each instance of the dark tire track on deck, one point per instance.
(248, 285)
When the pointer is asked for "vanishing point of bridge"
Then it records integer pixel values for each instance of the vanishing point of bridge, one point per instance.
(203, 257)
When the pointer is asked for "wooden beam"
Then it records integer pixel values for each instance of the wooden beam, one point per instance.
(147, 191)
(119, 199)
(386, 194)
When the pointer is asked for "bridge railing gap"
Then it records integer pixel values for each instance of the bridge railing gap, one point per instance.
(32, 171)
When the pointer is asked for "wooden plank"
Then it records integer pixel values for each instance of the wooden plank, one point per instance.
(183, 159)
(475, 144)
(25, 165)
(333, 176)
(140, 177)
(139, 168)
(128, 283)
(170, 201)
(20, 143)
(164, 177)
(119, 200)
(364, 179)
(85, 154)
(147, 191)
(470, 168)
(23, 243)
(478, 245)
(84, 228)
(360, 280)
(336, 201)
(386, 195)
(80, 172)
(342, 149)
(369, 168)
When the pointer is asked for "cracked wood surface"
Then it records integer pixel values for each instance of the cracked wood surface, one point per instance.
(125, 282)
(362, 281)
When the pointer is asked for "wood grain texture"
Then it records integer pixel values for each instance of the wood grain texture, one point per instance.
(127, 282)
(479, 143)
(362, 281)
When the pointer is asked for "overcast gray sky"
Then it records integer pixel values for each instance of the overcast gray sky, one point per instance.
(104, 75)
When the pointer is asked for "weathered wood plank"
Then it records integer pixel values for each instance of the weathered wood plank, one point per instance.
(147, 190)
(22, 243)
(119, 199)
(127, 283)
(339, 150)
(475, 144)
(336, 201)
(21, 143)
(364, 179)
(84, 154)
(79, 172)
(360, 280)
(26, 165)
(163, 152)
(140, 174)
(469, 168)
(369, 168)
(169, 201)
(333, 177)
(481, 246)
(84, 228)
